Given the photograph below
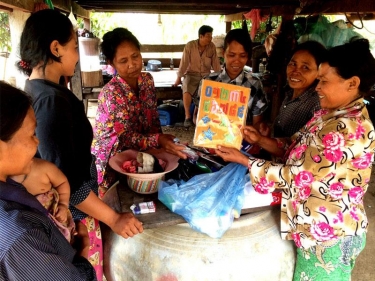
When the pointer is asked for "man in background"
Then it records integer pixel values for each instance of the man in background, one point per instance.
(198, 57)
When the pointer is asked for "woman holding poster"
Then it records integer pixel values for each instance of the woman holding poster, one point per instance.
(327, 170)
(237, 50)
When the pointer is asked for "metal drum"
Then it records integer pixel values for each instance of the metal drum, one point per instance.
(250, 250)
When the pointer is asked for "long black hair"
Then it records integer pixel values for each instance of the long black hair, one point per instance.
(41, 29)
(354, 59)
(112, 39)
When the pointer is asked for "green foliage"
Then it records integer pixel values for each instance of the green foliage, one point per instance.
(80, 23)
(100, 23)
(5, 42)
(262, 32)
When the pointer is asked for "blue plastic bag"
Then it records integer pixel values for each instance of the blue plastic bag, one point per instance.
(208, 202)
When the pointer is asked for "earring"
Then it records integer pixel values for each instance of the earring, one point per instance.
(57, 55)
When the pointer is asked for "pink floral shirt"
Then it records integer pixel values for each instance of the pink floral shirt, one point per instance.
(325, 176)
(124, 120)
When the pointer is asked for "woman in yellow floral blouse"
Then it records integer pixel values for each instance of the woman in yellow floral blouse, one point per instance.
(327, 169)
(127, 115)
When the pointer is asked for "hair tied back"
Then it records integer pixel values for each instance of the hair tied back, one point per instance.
(24, 65)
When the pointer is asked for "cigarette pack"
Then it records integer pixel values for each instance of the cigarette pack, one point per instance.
(143, 208)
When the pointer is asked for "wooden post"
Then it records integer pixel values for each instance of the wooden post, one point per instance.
(76, 82)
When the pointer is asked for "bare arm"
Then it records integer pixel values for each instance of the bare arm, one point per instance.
(166, 141)
(177, 82)
(58, 181)
(184, 63)
(81, 240)
(253, 136)
(230, 154)
(257, 120)
(124, 224)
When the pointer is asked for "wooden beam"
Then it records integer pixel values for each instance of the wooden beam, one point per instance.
(339, 7)
(275, 10)
(67, 5)
(28, 6)
(5, 9)
(228, 26)
(360, 16)
(23, 5)
(162, 48)
(86, 24)
(234, 17)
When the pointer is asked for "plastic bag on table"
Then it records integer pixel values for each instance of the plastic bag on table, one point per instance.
(185, 170)
(208, 202)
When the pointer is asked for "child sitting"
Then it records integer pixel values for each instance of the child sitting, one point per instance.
(51, 188)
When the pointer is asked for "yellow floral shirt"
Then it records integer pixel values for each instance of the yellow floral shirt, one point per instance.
(325, 176)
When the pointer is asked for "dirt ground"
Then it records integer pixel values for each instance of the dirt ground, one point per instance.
(184, 134)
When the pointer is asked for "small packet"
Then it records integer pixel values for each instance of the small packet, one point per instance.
(143, 208)
(245, 146)
(190, 153)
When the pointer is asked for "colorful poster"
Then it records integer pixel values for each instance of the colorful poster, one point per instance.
(221, 114)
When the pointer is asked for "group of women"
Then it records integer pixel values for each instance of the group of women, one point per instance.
(323, 178)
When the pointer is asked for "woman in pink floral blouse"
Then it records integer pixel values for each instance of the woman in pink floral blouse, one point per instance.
(327, 169)
(127, 115)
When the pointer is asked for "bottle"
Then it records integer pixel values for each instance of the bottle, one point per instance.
(262, 65)
(265, 65)
(171, 65)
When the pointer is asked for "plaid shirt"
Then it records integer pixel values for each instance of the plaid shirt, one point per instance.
(295, 113)
(258, 101)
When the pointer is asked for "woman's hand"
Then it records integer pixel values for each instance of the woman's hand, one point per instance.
(166, 141)
(62, 213)
(264, 129)
(230, 154)
(251, 135)
(81, 240)
(126, 225)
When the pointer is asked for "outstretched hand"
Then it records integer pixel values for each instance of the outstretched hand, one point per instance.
(126, 225)
(230, 154)
(166, 141)
(251, 135)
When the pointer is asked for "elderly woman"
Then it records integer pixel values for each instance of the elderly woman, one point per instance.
(301, 100)
(48, 52)
(32, 247)
(127, 115)
(327, 170)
